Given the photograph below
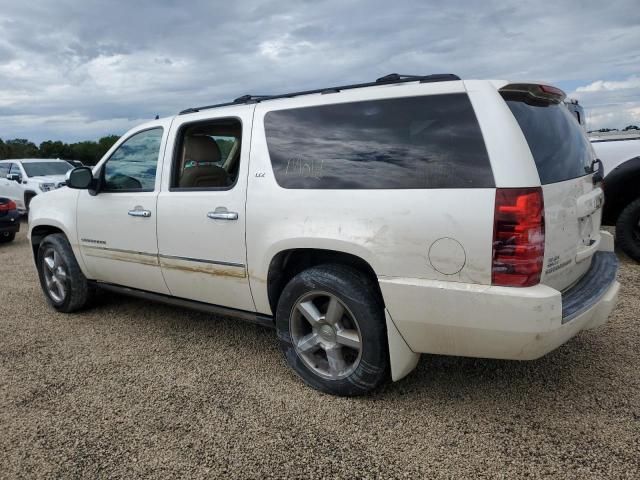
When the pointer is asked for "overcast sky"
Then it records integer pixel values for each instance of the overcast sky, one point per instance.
(81, 69)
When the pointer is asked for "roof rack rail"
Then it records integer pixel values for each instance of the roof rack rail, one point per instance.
(387, 79)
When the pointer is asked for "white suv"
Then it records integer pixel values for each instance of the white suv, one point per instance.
(368, 223)
(23, 179)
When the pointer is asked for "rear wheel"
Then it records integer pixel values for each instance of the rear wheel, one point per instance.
(332, 330)
(62, 281)
(628, 230)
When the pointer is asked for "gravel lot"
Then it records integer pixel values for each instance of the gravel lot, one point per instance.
(132, 388)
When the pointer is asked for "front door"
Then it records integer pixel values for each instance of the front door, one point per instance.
(117, 227)
(201, 208)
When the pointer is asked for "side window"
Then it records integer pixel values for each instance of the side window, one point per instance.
(207, 155)
(132, 167)
(4, 170)
(403, 143)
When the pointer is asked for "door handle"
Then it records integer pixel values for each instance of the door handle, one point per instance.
(218, 215)
(139, 212)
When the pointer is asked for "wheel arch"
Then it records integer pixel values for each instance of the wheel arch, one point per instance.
(38, 231)
(621, 187)
(286, 264)
(28, 194)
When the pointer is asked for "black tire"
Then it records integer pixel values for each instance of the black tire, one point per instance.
(27, 200)
(7, 237)
(362, 301)
(79, 292)
(628, 230)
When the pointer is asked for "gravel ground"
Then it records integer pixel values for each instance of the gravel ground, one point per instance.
(136, 389)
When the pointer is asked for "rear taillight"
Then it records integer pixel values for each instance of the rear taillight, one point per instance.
(518, 237)
(5, 207)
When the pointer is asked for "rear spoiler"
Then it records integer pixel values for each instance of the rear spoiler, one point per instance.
(533, 92)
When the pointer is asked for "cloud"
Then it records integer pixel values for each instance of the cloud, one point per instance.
(75, 68)
(609, 86)
(610, 104)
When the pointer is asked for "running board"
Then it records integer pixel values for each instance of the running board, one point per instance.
(255, 318)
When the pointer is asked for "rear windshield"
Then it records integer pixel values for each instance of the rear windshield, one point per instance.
(402, 143)
(38, 169)
(558, 144)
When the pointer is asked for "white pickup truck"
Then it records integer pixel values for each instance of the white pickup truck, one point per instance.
(619, 153)
(22, 179)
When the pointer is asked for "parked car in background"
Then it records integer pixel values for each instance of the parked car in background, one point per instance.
(368, 223)
(619, 152)
(22, 179)
(620, 156)
(9, 220)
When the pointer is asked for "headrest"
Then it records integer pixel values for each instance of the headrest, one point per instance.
(201, 149)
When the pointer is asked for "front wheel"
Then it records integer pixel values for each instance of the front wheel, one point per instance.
(332, 331)
(628, 230)
(62, 281)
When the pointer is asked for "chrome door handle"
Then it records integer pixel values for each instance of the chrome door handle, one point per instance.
(222, 215)
(140, 213)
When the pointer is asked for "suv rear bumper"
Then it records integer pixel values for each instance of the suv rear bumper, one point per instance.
(499, 322)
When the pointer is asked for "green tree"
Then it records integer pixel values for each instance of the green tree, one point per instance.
(4, 150)
(22, 148)
(51, 149)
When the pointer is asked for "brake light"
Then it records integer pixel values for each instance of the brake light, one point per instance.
(553, 91)
(10, 205)
(518, 237)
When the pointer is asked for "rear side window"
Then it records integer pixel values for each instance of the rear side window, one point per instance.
(557, 142)
(402, 143)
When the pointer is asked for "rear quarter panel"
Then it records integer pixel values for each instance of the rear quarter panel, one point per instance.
(393, 230)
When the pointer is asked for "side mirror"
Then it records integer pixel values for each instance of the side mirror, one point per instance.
(80, 178)
(14, 177)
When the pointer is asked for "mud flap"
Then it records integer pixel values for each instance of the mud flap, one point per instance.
(402, 359)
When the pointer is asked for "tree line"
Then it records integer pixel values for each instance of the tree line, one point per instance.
(88, 152)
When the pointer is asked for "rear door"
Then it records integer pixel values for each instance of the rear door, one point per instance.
(563, 157)
(201, 208)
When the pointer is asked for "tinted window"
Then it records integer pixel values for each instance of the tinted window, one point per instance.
(4, 170)
(133, 165)
(557, 142)
(37, 169)
(418, 142)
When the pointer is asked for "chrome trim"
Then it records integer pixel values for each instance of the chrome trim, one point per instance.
(200, 260)
(97, 250)
(120, 250)
(223, 215)
(140, 213)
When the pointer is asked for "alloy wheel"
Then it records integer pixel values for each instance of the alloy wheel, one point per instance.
(326, 335)
(55, 275)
